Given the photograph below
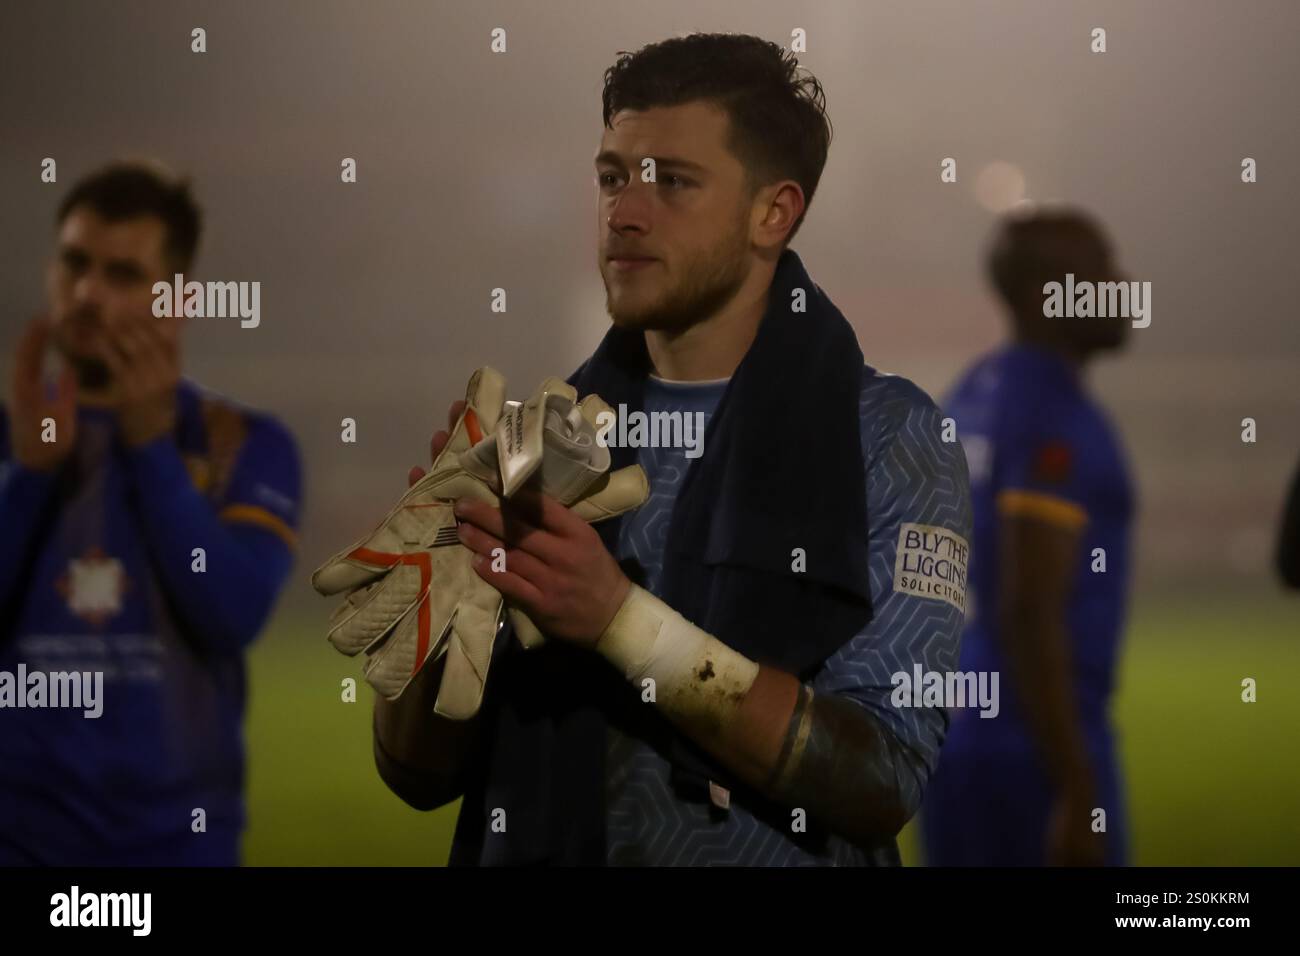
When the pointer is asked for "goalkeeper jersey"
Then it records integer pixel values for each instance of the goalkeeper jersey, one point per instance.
(912, 478)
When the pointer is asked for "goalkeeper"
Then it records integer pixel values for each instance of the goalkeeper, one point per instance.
(717, 677)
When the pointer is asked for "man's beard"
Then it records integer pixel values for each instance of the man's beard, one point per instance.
(707, 286)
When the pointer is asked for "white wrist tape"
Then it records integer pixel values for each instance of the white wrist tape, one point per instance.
(690, 668)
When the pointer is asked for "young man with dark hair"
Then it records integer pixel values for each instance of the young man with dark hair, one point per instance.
(1049, 573)
(148, 527)
(755, 610)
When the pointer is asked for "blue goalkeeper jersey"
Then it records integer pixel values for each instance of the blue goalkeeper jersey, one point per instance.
(154, 568)
(1037, 444)
(912, 478)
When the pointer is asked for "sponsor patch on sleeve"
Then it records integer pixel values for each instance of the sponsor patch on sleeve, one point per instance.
(931, 563)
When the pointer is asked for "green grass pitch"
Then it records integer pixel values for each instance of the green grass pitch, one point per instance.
(1210, 780)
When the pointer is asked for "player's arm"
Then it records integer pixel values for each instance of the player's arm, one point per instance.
(420, 755)
(1037, 563)
(819, 751)
(223, 571)
(224, 596)
(24, 494)
(837, 748)
(822, 752)
(37, 433)
(1038, 553)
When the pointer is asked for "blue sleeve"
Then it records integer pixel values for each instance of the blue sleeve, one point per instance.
(23, 496)
(246, 538)
(919, 527)
(265, 488)
(1040, 465)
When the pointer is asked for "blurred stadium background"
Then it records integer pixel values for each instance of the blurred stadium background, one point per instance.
(475, 173)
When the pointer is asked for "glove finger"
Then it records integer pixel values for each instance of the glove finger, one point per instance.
(449, 581)
(521, 431)
(418, 637)
(481, 462)
(413, 523)
(528, 633)
(573, 460)
(370, 612)
(469, 652)
(343, 572)
(484, 398)
(616, 493)
(597, 411)
(486, 394)
(555, 386)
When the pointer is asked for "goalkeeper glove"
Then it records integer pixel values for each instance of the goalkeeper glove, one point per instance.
(414, 595)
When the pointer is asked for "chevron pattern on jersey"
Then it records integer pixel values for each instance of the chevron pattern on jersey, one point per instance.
(911, 476)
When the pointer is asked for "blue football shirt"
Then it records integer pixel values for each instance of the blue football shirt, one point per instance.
(912, 477)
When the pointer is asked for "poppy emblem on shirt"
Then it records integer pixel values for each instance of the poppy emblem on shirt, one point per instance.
(1052, 463)
(94, 586)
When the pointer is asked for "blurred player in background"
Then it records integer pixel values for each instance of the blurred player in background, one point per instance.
(100, 561)
(1052, 500)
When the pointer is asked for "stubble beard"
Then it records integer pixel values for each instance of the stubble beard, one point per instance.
(707, 285)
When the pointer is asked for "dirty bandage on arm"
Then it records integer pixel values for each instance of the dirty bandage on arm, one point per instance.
(698, 680)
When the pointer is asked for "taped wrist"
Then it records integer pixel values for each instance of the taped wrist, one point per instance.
(694, 673)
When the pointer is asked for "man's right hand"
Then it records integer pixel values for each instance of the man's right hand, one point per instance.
(30, 405)
(437, 442)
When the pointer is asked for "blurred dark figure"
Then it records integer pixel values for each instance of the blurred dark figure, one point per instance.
(1288, 543)
(148, 527)
(1048, 575)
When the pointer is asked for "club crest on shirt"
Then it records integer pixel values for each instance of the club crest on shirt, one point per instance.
(93, 587)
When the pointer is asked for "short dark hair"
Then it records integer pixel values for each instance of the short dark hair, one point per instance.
(779, 127)
(126, 189)
(1027, 249)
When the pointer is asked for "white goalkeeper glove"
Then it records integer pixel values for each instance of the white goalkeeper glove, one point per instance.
(414, 595)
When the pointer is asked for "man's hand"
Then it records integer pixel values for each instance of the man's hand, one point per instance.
(1070, 838)
(145, 366)
(29, 405)
(557, 569)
